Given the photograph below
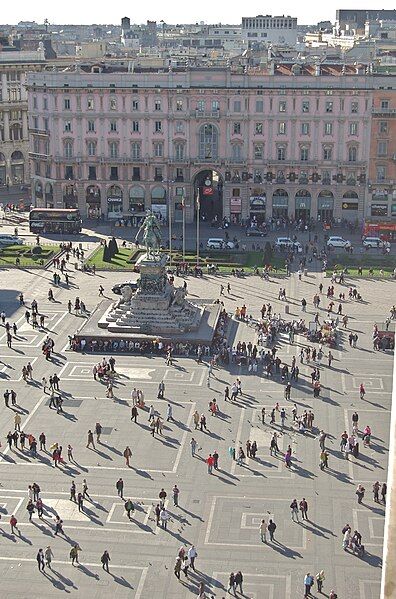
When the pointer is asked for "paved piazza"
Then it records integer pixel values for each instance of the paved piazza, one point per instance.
(219, 514)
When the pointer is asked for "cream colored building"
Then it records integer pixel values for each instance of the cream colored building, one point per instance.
(14, 135)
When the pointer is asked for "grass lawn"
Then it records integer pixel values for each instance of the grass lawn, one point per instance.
(121, 260)
(8, 255)
(226, 261)
(386, 263)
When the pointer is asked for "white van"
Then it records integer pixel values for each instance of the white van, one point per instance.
(10, 240)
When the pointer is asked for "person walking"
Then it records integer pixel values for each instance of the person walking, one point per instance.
(294, 510)
(17, 422)
(304, 509)
(98, 431)
(129, 507)
(239, 581)
(360, 493)
(271, 529)
(74, 554)
(164, 517)
(73, 492)
(161, 390)
(193, 445)
(105, 559)
(176, 493)
(263, 530)
(177, 567)
(120, 488)
(85, 489)
(48, 554)
(14, 525)
(308, 582)
(40, 560)
(127, 455)
(90, 439)
(80, 502)
(192, 555)
(231, 583)
(320, 578)
(210, 462)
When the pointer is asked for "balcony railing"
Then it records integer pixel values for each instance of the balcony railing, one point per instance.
(379, 110)
(206, 114)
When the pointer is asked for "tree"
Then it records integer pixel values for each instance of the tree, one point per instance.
(268, 254)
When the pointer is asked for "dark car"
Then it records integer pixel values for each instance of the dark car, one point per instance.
(118, 286)
(255, 232)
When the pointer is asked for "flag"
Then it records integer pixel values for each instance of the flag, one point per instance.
(198, 202)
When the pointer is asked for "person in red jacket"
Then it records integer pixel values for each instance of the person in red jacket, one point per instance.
(210, 463)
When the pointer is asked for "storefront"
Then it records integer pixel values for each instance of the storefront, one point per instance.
(303, 205)
(325, 207)
(114, 202)
(236, 210)
(92, 201)
(158, 203)
(70, 197)
(257, 209)
(49, 195)
(136, 207)
(280, 203)
(379, 209)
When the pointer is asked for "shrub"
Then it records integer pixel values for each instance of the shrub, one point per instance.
(37, 250)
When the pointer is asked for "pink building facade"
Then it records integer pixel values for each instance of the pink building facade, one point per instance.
(252, 145)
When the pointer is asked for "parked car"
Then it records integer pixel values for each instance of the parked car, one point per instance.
(287, 243)
(217, 243)
(338, 242)
(117, 289)
(375, 242)
(255, 232)
(11, 240)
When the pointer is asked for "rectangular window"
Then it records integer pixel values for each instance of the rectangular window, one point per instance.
(179, 177)
(304, 154)
(157, 105)
(201, 105)
(258, 128)
(237, 106)
(135, 105)
(66, 103)
(158, 173)
(382, 148)
(383, 127)
(304, 128)
(35, 102)
(236, 128)
(282, 106)
(326, 177)
(91, 148)
(354, 107)
(92, 173)
(45, 124)
(236, 192)
(113, 126)
(135, 151)
(45, 104)
(305, 106)
(35, 122)
(259, 106)
(48, 171)
(381, 173)
(114, 173)
(90, 104)
(179, 127)
(91, 126)
(113, 146)
(281, 128)
(329, 106)
(353, 128)
(281, 153)
(69, 172)
(136, 173)
(258, 151)
(135, 126)
(385, 104)
(179, 105)
(328, 128)
(327, 153)
(179, 151)
(68, 126)
(215, 105)
(158, 149)
(158, 126)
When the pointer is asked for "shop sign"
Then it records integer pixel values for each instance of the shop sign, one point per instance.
(350, 205)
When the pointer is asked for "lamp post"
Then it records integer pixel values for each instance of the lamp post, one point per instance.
(198, 217)
(168, 199)
(183, 203)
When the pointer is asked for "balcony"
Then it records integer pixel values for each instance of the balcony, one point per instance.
(39, 131)
(378, 111)
(206, 114)
(38, 155)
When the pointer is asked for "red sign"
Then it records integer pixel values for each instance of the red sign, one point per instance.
(207, 191)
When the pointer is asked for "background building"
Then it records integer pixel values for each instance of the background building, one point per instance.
(291, 140)
(281, 31)
(14, 135)
(382, 171)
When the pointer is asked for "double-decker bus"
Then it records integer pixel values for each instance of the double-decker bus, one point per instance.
(55, 220)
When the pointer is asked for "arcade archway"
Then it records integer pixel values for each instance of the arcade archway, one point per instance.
(209, 185)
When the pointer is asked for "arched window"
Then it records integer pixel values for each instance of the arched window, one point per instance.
(68, 146)
(136, 199)
(352, 154)
(350, 195)
(16, 156)
(208, 142)
(38, 189)
(91, 148)
(2, 158)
